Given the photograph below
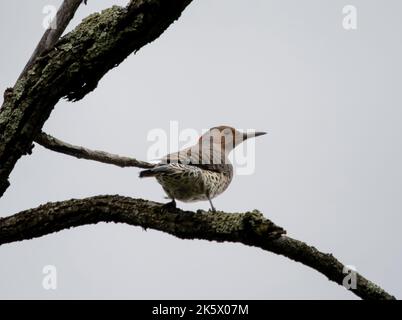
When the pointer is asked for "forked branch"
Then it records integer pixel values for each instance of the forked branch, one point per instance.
(63, 17)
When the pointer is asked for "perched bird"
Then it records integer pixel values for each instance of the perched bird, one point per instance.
(200, 172)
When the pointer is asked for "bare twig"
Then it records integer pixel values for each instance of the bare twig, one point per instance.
(57, 145)
(53, 33)
(250, 228)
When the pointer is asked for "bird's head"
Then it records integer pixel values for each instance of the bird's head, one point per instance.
(227, 138)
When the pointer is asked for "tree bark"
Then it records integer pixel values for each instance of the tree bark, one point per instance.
(74, 67)
(250, 228)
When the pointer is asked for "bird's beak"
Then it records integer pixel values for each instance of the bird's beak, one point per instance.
(253, 134)
(259, 133)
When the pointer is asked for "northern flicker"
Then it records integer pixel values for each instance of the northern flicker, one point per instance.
(200, 172)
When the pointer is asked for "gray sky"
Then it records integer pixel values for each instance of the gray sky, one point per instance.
(329, 171)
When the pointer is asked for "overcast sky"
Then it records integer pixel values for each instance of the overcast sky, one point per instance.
(329, 171)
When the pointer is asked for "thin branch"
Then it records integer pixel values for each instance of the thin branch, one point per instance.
(73, 68)
(250, 228)
(57, 145)
(63, 17)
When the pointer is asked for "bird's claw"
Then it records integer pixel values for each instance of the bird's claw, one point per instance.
(169, 206)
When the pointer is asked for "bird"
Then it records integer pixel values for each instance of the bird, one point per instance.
(200, 172)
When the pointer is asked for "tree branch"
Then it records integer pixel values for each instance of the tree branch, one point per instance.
(249, 228)
(57, 145)
(63, 17)
(74, 67)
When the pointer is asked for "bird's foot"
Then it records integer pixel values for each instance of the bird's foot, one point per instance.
(169, 206)
(212, 206)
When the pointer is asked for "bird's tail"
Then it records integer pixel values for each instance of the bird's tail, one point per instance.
(147, 173)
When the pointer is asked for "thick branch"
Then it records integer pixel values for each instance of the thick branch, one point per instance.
(53, 33)
(74, 67)
(57, 145)
(249, 228)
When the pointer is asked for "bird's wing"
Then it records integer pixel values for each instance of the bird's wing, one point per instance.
(188, 155)
(193, 156)
(170, 169)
